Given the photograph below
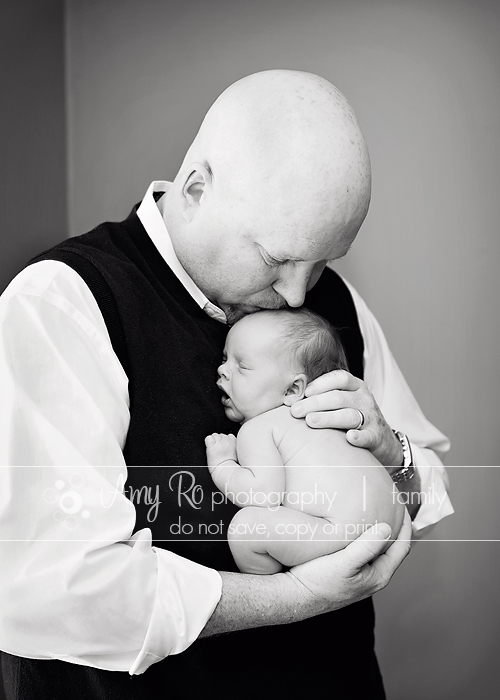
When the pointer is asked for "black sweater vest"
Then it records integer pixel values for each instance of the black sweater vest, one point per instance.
(170, 350)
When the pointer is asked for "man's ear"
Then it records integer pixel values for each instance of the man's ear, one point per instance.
(194, 188)
(296, 390)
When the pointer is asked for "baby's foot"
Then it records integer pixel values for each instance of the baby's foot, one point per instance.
(220, 448)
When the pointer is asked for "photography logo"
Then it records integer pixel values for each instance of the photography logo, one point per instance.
(68, 501)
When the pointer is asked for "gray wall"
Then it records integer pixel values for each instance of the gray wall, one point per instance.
(424, 78)
(32, 131)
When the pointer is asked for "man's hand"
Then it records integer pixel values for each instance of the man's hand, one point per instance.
(356, 572)
(318, 586)
(330, 403)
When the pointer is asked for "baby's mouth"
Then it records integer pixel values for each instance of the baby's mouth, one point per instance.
(225, 396)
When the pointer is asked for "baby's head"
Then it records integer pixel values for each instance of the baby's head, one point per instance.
(269, 358)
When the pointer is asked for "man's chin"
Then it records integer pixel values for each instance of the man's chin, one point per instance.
(234, 312)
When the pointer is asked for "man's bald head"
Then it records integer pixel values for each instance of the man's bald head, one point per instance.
(290, 140)
(282, 158)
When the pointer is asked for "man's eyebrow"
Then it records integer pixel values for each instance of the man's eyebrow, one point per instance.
(285, 258)
(282, 258)
(292, 258)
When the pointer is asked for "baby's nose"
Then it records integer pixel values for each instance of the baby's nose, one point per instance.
(222, 371)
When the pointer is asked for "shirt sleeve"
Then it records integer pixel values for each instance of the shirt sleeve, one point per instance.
(76, 583)
(401, 410)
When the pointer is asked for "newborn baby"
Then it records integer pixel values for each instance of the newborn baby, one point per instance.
(298, 498)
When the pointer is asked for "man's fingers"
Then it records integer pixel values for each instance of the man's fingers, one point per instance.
(364, 549)
(386, 564)
(362, 438)
(338, 379)
(342, 418)
(329, 401)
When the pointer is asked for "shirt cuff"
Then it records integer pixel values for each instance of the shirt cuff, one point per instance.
(186, 596)
(435, 503)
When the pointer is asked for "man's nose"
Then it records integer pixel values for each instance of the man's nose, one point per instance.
(292, 284)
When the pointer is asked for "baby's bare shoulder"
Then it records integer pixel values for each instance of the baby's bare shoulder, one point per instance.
(274, 423)
(264, 422)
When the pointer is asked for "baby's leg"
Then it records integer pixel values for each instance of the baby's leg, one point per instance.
(262, 540)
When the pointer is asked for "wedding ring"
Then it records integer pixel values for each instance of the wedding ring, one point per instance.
(361, 419)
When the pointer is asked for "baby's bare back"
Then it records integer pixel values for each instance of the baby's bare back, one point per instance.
(329, 478)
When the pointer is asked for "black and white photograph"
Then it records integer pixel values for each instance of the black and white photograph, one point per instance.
(249, 435)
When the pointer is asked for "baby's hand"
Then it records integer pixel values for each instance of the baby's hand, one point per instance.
(220, 448)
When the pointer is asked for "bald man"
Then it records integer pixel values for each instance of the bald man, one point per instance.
(111, 343)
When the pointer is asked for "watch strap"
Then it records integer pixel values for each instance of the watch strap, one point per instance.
(407, 470)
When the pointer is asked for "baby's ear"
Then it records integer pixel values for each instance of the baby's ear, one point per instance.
(296, 390)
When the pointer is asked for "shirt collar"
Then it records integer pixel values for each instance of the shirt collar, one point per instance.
(150, 215)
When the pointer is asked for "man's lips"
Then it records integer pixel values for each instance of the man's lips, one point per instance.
(253, 308)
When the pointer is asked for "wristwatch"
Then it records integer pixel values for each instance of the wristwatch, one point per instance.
(407, 470)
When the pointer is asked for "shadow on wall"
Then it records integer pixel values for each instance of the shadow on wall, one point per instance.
(32, 134)
(32, 131)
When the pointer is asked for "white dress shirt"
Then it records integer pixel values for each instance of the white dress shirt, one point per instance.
(76, 582)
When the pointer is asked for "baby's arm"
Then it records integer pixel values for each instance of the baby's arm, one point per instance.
(255, 485)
